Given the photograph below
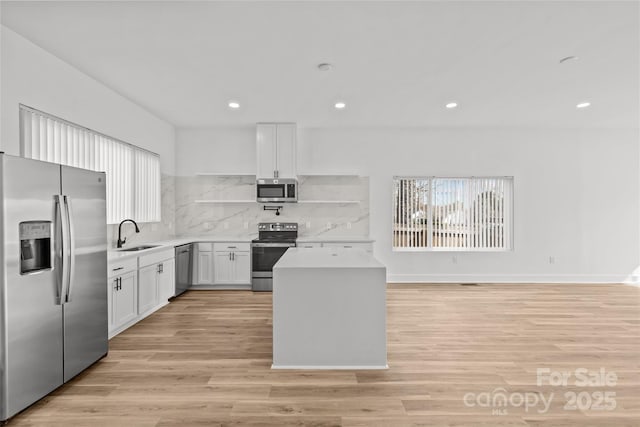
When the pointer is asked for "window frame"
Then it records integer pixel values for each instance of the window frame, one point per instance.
(509, 215)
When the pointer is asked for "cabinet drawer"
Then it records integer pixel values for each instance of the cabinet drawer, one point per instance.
(205, 247)
(118, 268)
(309, 245)
(232, 247)
(347, 245)
(156, 257)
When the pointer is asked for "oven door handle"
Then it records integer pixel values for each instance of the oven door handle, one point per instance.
(273, 245)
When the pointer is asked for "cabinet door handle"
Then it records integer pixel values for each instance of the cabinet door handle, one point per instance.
(233, 256)
(229, 256)
(116, 282)
(116, 269)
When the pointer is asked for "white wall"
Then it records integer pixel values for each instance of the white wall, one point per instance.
(34, 77)
(225, 150)
(576, 192)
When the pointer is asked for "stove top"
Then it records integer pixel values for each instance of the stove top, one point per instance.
(274, 239)
(277, 232)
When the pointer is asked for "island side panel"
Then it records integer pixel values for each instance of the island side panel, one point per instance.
(328, 318)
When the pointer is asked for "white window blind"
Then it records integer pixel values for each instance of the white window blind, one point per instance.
(456, 214)
(133, 174)
(147, 186)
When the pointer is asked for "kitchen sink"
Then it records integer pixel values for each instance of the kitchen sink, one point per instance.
(138, 248)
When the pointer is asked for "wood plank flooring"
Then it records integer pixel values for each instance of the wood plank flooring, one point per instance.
(205, 360)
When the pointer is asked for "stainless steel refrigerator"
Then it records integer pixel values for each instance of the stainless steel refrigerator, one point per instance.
(53, 273)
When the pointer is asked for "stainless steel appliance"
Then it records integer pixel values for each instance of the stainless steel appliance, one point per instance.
(277, 190)
(184, 268)
(274, 238)
(53, 277)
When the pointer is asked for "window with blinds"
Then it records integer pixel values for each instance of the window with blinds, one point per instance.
(453, 214)
(133, 174)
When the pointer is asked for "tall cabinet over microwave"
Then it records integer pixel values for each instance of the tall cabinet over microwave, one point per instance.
(276, 150)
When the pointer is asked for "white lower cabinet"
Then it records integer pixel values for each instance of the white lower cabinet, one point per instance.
(156, 284)
(205, 268)
(232, 264)
(139, 286)
(124, 300)
(167, 280)
(147, 288)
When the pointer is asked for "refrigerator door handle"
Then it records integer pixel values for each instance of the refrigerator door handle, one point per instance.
(60, 244)
(72, 248)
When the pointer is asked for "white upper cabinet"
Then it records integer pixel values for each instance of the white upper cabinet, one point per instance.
(276, 150)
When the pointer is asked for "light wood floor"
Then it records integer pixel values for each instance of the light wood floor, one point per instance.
(204, 360)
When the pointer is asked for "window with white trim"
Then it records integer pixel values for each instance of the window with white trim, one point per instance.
(452, 214)
(133, 174)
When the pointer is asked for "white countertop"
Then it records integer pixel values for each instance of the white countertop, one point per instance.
(327, 258)
(119, 255)
(116, 254)
(337, 239)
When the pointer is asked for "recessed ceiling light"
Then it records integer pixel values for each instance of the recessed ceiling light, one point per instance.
(234, 105)
(325, 66)
(451, 105)
(583, 105)
(568, 58)
(340, 105)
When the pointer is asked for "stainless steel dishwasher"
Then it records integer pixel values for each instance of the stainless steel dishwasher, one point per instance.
(184, 268)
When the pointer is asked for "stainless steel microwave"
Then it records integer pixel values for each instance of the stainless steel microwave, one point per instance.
(277, 190)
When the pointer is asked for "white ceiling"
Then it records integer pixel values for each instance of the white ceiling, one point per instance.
(395, 63)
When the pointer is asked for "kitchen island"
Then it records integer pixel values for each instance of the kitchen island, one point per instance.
(329, 310)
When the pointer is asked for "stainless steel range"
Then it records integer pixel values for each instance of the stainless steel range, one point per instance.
(274, 238)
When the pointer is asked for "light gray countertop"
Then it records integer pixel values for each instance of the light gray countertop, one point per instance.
(336, 239)
(118, 255)
(327, 258)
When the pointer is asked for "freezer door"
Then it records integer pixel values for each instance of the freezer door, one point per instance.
(85, 302)
(31, 324)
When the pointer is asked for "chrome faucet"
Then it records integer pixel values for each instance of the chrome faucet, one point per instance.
(122, 241)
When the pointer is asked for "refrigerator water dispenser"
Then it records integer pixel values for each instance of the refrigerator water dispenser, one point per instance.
(35, 246)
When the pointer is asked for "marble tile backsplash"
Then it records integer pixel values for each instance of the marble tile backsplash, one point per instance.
(196, 216)
(187, 210)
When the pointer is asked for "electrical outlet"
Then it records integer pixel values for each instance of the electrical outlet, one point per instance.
(246, 225)
(207, 226)
(170, 225)
(348, 226)
(226, 225)
(552, 260)
(328, 226)
(308, 224)
(454, 259)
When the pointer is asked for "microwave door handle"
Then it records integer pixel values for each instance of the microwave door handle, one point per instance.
(72, 248)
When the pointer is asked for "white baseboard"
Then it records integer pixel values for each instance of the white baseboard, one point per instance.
(513, 278)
